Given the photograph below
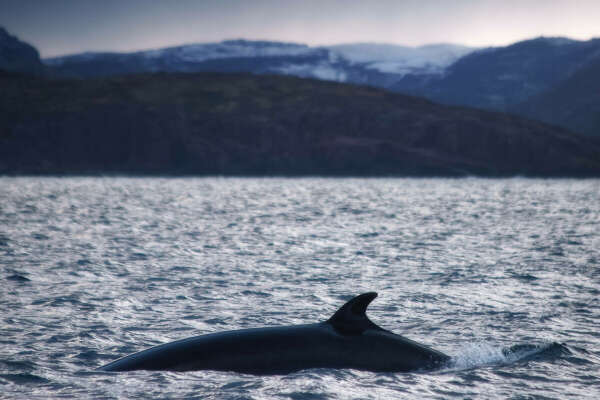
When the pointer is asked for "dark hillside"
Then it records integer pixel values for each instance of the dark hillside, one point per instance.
(242, 124)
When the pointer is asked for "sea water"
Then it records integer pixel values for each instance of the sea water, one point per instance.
(501, 274)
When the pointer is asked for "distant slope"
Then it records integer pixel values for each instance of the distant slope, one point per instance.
(498, 78)
(265, 125)
(574, 103)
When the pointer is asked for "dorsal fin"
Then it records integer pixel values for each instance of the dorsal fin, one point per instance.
(351, 319)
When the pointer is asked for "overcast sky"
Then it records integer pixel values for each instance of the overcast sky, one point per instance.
(59, 27)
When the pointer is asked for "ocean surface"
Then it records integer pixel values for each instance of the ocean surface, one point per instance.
(501, 274)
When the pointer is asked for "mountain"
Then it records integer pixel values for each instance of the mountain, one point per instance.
(492, 78)
(183, 122)
(497, 78)
(18, 56)
(554, 80)
(372, 64)
(500, 78)
(574, 103)
(243, 124)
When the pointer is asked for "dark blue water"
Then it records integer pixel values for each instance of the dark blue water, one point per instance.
(504, 275)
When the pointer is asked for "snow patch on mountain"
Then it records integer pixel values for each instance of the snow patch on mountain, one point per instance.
(321, 71)
(195, 53)
(394, 59)
(231, 49)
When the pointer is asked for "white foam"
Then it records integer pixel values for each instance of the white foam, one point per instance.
(484, 353)
(476, 355)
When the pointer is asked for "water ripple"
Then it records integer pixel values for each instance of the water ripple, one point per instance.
(495, 273)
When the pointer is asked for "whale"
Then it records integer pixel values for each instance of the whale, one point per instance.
(347, 340)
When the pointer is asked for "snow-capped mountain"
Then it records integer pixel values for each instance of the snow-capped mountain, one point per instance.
(365, 63)
(497, 78)
(198, 53)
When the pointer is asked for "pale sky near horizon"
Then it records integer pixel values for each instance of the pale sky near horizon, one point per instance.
(58, 27)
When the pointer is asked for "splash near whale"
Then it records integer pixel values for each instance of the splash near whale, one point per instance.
(349, 339)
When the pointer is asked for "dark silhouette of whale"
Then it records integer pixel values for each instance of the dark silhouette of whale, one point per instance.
(346, 340)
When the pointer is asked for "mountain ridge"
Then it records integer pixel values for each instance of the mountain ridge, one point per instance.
(281, 57)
